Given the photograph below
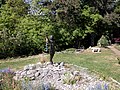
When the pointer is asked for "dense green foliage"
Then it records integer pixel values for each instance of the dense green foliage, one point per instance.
(24, 24)
(103, 42)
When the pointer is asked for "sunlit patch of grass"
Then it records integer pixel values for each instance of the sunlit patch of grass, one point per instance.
(18, 64)
(117, 46)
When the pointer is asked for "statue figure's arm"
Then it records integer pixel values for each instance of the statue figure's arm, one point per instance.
(47, 39)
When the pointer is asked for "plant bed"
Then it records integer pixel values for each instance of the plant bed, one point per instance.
(61, 76)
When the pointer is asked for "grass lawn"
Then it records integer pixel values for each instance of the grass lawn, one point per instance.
(104, 63)
(18, 63)
(117, 47)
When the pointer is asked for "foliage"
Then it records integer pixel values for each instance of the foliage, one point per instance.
(24, 24)
(7, 82)
(2, 2)
(103, 6)
(10, 15)
(31, 38)
(103, 42)
(73, 22)
(68, 79)
(20, 33)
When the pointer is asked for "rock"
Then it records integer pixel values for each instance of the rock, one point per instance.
(18, 74)
(39, 69)
(15, 77)
(62, 64)
(37, 74)
(56, 64)
(49, 67)
(45, 71)
(39, 63)
(30, 76)
(32, 67)
(20, 77)
(76, 73)
(38, 66)
(48, 63)
(31, 72)
(54, 75)
(24, 73)
(46, 86)
(26, 67)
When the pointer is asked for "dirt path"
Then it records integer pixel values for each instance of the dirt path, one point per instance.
(116, 51)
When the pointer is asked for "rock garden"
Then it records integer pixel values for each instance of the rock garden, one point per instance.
(59, 76)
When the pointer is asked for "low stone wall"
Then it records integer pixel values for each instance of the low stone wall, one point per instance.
(60, 76)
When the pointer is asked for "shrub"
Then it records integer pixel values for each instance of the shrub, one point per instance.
(103, 42)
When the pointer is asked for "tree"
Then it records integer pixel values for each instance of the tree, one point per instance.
(10, 15)
(74, 20)
(109, 10)
(103, 6)
(2, 2)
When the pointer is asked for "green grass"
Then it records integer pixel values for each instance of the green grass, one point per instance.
(104, 63)
(17, 63)
(117, 47)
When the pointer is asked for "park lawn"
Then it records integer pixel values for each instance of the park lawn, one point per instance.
(105, 63)
(18, 63)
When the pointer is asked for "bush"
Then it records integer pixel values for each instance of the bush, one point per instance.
(103, 42)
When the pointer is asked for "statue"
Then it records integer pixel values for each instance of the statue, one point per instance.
(52, 47)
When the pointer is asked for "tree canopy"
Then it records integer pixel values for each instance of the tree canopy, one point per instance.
(24, 24)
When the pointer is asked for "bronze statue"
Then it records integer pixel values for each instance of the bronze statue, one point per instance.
(52, 47)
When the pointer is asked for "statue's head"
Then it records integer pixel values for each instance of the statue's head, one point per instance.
(51, 37)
